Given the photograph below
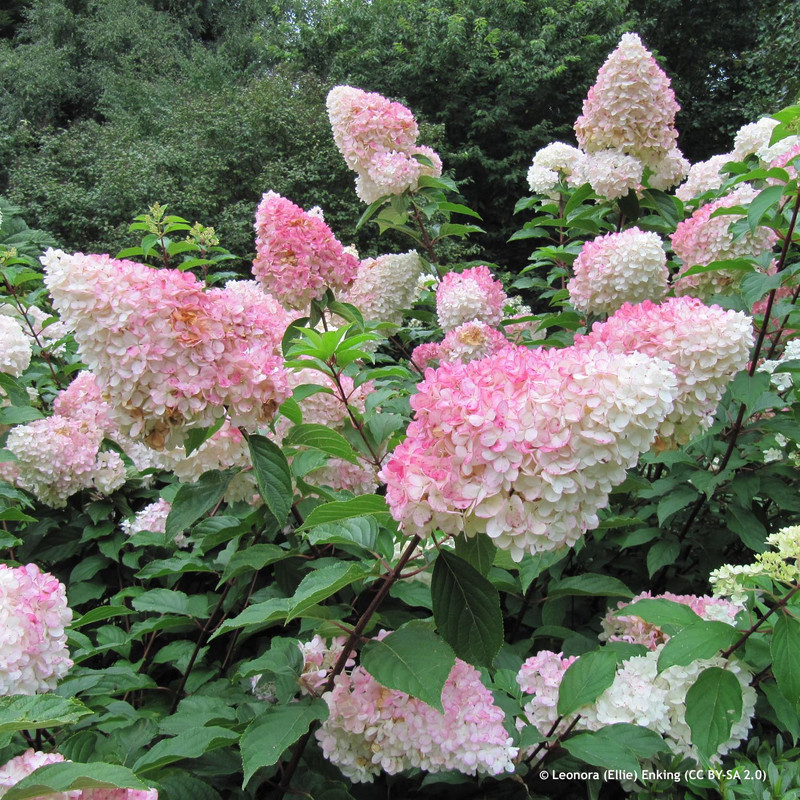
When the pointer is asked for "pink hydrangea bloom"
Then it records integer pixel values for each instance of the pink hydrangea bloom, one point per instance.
(470, 295)
(59, 456)
(118, 794)
(20, 767)
(297, 255)
(371, 728)
(385, 286)
(167, 354)
(525, 445)
(33, 642)
(702, 240)
(704, 176)
(541, 676)
(471, 340)
(630, 628)
(423, 354)
(631, 107)
(704, 345)
(617, 268)
(319, 658)
(82, 399)
(378, 141)
(152, 518)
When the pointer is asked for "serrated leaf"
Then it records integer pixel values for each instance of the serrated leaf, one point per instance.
(39, 711)
(698, 640)
(532, 566)
(272, 475)
(180, 785)
(98, 614)
(255, 557)
(661, 554)
(785, 651)
(169, 601)
(586, 679)
(476, 550)
(198, 436)
(322, 583)
(69, 775)
(590, 584)
(14, 391)
(18, 415)
(363, 505)
(321, 438)
(617, 747)
(466, 608)
(713, 706)
(660, 612)
(195, 499)
(757, 284)
(761, 204)
(362, 531)
(269, 735)
(259, 615)
(413, 660)
(190, 744)
(676, 500)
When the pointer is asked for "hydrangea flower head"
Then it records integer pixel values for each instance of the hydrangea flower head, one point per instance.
(553, 162)
(378, 141)
(166, 354)
(15, 347)
(612, 173)
(469, 341)
(470, 295)
(20, 767)
(541, 676)
(33, 618)
(371, 728)
(617, 268)
(631, 107)
(297, 255)
(385, 286)
(702, 239)
(704, 176)
(525, 445)
(754, 139)
(704, 345)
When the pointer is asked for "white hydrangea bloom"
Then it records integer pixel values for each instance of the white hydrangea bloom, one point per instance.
(15, 347)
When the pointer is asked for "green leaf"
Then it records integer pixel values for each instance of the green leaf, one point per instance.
(321, 438)
(661, 554)
(617, 747)
(466, 608)
(361, 531)
(413, 660)
(713, 706)
(785, 651)
(168, 601)
(590, 584)
(255, 557)
(195, 499)
(272, 475)
(198, 436)
(661, 612)
(69, 775)
(586, 679)
(458, 208)
(363, 505)
(756, 284)
(270, 734)
(322, 583)
(786, 711)
(532, 566)
(98, 614)
(476, 550)
(257, 616)
(676, 500)
(14, 391)
(19, 712)
(190, 744)
(18, 415)
(761, 204)
(698, 640)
